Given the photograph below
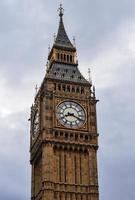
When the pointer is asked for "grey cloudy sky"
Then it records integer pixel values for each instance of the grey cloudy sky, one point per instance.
(105, 37)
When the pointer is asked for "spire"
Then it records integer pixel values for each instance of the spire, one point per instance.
(62, 39)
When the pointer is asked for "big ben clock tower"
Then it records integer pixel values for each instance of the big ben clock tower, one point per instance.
(64, 137)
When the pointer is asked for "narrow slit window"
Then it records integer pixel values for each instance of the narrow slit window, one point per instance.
(71, 60)
(67, 58)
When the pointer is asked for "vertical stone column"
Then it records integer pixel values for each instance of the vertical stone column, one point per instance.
(91, 167)
(68, 196)
(43, 113)
(84, 197)
(47, 169)
(78, 197)
(32, 180)
(62, 167)
(85, 167)
(63, 196)
(93, 174)
(56, 166)
(70, 177)
(78, 168)
(80, 160)
(95, 167)
(73, 196)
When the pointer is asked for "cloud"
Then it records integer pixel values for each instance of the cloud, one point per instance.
(14, 168)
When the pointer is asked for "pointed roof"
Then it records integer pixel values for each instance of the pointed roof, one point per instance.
(66, 72)
(62, 39)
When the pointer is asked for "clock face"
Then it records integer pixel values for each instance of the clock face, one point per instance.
(70, 114)
(35, 124)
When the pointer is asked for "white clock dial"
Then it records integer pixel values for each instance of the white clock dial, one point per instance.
(71, 114)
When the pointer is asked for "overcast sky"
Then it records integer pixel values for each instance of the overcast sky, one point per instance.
(105, 38)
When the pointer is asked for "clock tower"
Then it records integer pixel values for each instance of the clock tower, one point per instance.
(63, 135)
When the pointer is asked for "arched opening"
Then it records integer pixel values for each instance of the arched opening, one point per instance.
(64, 57)
(64, 88)
(61, 134)
(68, 88)
(71, 59)
(77, 90)
(67, 58)
(66, 135)
(82, 90)
(76, 137)
(56, 134)
(59, 87)
(73, 89)
(86, 138)
(61, 57)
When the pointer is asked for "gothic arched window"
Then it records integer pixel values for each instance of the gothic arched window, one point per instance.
(77, 90)
(67, 58)
(64, 57)
(71, 60)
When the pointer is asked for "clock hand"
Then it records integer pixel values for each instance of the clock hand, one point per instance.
(73, 115)
(69, 114)
(78, 118)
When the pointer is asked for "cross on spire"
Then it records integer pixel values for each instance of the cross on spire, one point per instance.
(54, 37)
(36, 89)
(89, 73)
(61, 10)
(74, 41)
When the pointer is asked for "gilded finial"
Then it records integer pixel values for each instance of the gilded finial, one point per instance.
(47, 66)
(89, 73)
(94, 91)
(36, 89)
(49, 49)
(54, 37)
(61, 10)
(74, 41)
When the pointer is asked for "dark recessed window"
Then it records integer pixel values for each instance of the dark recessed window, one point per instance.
(68, 88)
(66, 70)
(67, 58)
(71, 135)
(66, 135)
(76, 137)
(56, 134)
(61, 133)
(59, 87)
(86, 137)
(64, 88)
(71, 60)
(64, 57)
(82, 90)
(81, 136)
(73, 89)
(77, 90)
(54, 86)
(72, 76)
(61, 56)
